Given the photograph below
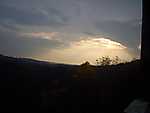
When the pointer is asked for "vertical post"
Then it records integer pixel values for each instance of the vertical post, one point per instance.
(145, 49)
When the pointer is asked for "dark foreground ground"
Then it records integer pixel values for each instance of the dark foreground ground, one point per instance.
(33, 86)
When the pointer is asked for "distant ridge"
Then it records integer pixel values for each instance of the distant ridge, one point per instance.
(34, 61)
(27, 60)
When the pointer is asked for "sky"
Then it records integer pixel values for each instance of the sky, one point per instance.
(70, 31)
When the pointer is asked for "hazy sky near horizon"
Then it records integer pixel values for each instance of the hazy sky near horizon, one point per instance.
(70, 31)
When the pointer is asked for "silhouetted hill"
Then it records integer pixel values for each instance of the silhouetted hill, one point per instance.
(31, 85)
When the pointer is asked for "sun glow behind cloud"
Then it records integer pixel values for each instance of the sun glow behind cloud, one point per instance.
(100, 42)
(70, 31)
(88, 49)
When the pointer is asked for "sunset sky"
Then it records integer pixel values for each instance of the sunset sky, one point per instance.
(70, 31)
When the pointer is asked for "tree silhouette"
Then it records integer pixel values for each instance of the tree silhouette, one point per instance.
(106, 60)
(103, 61)
(116, 60)
(85, 71)
(85, 64)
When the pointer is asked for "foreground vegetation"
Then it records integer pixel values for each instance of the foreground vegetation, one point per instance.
(29, 85)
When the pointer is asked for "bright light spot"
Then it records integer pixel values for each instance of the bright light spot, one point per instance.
(100, 42)
(88, 50)
(139, 47)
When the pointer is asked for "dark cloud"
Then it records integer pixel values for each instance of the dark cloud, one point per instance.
(10, 16)
(89, 33)
(14, 44)
(128, 32)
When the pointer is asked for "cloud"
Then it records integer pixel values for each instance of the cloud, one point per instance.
(14, 44)
(42, 35)
(100, 43)
(40, 27)
(15, 15)
(88, 49)
(128, 32)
